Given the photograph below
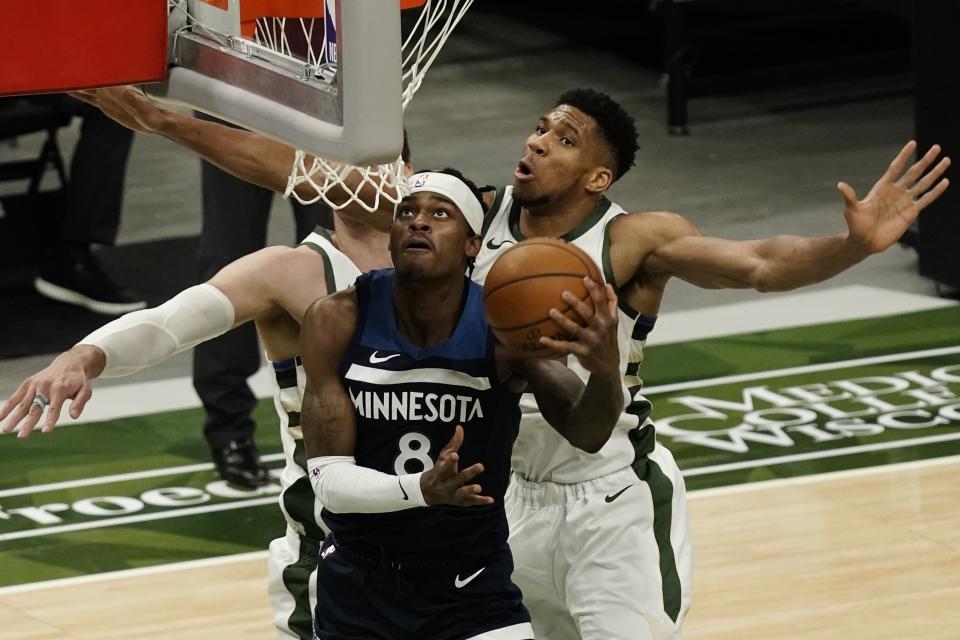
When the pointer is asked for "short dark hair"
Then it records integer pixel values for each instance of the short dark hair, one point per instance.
(616, 126)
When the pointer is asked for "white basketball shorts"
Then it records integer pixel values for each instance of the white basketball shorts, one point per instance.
(606, 559)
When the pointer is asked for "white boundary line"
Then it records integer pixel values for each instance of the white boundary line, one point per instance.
(813, 478)
(815, 455)
(792, 371)
(772, 312)
(121, 477)
(146, 517)
(133, 573)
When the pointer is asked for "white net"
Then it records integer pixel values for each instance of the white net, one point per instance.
(341, 185)
(305, 43)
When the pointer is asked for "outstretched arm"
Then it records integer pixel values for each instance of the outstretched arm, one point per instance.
(786, 262)
(247, 155)
(124, 346)
(243, 290)
(583, 414)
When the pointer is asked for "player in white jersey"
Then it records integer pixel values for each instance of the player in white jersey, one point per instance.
(293, 558)
(273, 287)
(621, 564)
(559, 488)
(633, 579)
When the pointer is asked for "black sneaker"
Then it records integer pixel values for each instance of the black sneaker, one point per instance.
(77, 278)
(239, 462)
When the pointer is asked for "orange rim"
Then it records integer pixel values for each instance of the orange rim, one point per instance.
(253, 10)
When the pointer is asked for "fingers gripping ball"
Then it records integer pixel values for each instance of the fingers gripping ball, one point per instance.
(527, 281)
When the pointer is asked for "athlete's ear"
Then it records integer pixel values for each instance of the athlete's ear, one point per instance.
(473, 246)
(599, 180)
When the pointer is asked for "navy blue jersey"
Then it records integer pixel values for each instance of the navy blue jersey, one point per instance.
(408, 402)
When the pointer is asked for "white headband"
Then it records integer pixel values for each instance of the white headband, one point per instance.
(454, 190)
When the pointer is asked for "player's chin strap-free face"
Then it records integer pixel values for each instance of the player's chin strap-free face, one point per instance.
(454, 190)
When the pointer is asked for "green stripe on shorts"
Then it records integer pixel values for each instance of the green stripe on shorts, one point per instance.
(296, 577)
(661, 490)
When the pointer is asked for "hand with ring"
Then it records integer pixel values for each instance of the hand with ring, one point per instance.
(66, 378)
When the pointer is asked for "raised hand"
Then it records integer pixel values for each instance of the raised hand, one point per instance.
(595, 344)
(445, 484)
(66, 378)
(126, 105)
(895, 201)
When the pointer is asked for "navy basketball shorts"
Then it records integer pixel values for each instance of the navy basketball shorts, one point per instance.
(361, 598)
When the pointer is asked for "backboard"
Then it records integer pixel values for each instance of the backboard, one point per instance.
(343, 101)
(328, 77)
(53, 45)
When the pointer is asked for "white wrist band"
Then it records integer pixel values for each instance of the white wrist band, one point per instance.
(342, 486)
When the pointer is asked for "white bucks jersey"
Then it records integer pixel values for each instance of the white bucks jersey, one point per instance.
(541, 453)
(297, 499)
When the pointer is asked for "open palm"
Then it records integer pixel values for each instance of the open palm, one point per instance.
(896, 200)
(126, 105)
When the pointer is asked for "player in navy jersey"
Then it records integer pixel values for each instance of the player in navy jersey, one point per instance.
(409, 417)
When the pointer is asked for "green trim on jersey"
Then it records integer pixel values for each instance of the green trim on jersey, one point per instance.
(300, 455)
(328, 276)
(607, 266)
(491, 213)
(298, 498)
(641, 407)
(323, 231)
(661, 491)
(643, 437)
(569, 236)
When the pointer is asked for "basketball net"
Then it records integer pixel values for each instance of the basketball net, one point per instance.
(308, 44)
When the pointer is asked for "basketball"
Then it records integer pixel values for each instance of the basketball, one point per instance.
(526, 282)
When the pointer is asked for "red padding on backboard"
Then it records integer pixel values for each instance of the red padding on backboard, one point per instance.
(57, 45)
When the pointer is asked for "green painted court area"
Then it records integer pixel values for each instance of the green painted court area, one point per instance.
(140, 491)
(815, 399)
(184, 514)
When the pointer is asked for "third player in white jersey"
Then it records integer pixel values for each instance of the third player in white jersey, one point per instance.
(293, 558)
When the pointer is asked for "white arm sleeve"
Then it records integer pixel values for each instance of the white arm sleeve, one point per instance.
(144, 338)
(343, 487)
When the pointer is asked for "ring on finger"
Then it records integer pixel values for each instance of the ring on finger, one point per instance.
(40, 401)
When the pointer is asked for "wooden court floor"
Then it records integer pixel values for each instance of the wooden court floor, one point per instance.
(873, 553)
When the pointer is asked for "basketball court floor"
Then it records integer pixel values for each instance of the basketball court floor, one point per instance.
(817, 431)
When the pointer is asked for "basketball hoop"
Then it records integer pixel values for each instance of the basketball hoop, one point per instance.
(368, 186)
(301, 37)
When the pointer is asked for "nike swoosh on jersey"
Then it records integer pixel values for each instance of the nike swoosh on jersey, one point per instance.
(402, 490)
(490, 244)
(614, 496)
(460, 584)
(374, 359)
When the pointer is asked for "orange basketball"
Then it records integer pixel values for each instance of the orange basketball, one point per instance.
(527, 281)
